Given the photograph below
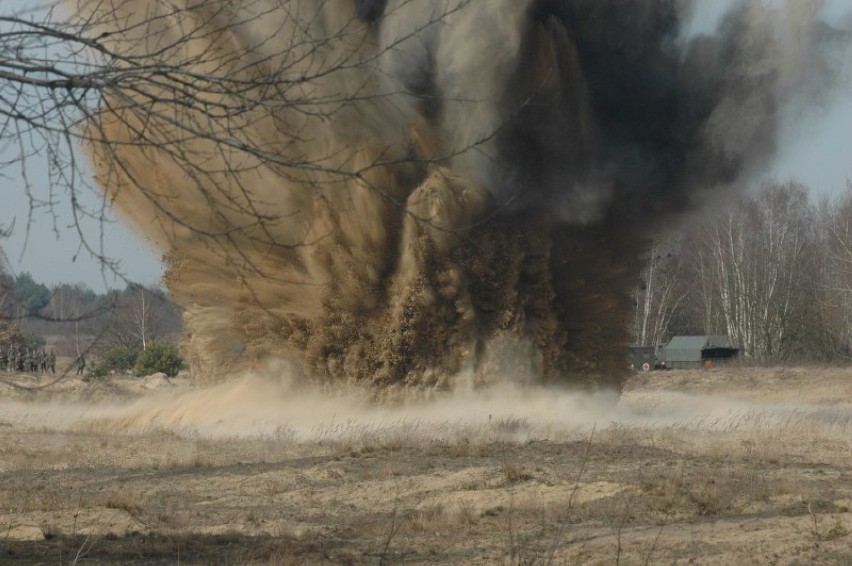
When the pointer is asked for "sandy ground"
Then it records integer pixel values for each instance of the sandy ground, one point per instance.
(728, 466)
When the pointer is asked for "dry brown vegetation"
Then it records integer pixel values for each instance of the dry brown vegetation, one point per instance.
(726, 466)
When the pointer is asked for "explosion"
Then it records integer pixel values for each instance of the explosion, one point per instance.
(425, 194)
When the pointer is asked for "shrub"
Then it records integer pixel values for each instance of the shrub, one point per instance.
(159, 357)
(118, 358)
(100, 371)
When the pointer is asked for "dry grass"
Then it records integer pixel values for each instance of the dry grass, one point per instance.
(769, 484)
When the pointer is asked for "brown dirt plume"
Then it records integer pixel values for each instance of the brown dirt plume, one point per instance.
(413, 193)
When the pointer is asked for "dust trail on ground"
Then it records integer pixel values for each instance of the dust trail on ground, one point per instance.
(272, 404)
(397, 193)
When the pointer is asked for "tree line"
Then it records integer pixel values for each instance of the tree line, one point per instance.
(75, 320)
(773, 270)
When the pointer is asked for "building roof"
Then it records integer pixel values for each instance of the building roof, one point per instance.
(688, 348)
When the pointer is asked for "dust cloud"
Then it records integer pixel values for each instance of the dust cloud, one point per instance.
(423, 195)
(274, 405)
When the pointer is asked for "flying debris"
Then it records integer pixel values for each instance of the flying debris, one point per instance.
(416, 195)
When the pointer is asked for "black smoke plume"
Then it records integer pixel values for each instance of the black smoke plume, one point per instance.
(428, 193)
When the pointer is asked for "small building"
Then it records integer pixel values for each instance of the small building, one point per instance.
(690, 352)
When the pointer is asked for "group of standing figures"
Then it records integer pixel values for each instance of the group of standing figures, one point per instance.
(19, 359)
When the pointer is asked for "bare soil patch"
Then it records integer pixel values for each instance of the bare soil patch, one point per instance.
(734, 465)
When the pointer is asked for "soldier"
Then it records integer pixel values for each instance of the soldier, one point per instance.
(42, 361)
(2, 359)
(81, 364)
(13, 358)
(51, 361)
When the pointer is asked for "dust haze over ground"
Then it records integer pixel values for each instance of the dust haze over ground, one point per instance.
(273, 402)
(733, 465)
(421, 194)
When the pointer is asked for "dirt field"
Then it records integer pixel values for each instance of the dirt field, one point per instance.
(729, 466)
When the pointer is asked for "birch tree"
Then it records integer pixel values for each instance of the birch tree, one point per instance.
(835, 298)
(140, 314)
(660, 294)
(753, 266)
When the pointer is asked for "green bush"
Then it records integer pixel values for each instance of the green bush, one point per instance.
(118, 358)
(159, 357)
(98, 372)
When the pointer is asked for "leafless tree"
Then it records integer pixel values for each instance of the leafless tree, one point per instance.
(194, 114)
(141, 315)
(660, 294)
(156, 76)
(834, 273)
(753, 267)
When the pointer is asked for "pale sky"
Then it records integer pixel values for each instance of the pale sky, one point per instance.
(815, 148)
